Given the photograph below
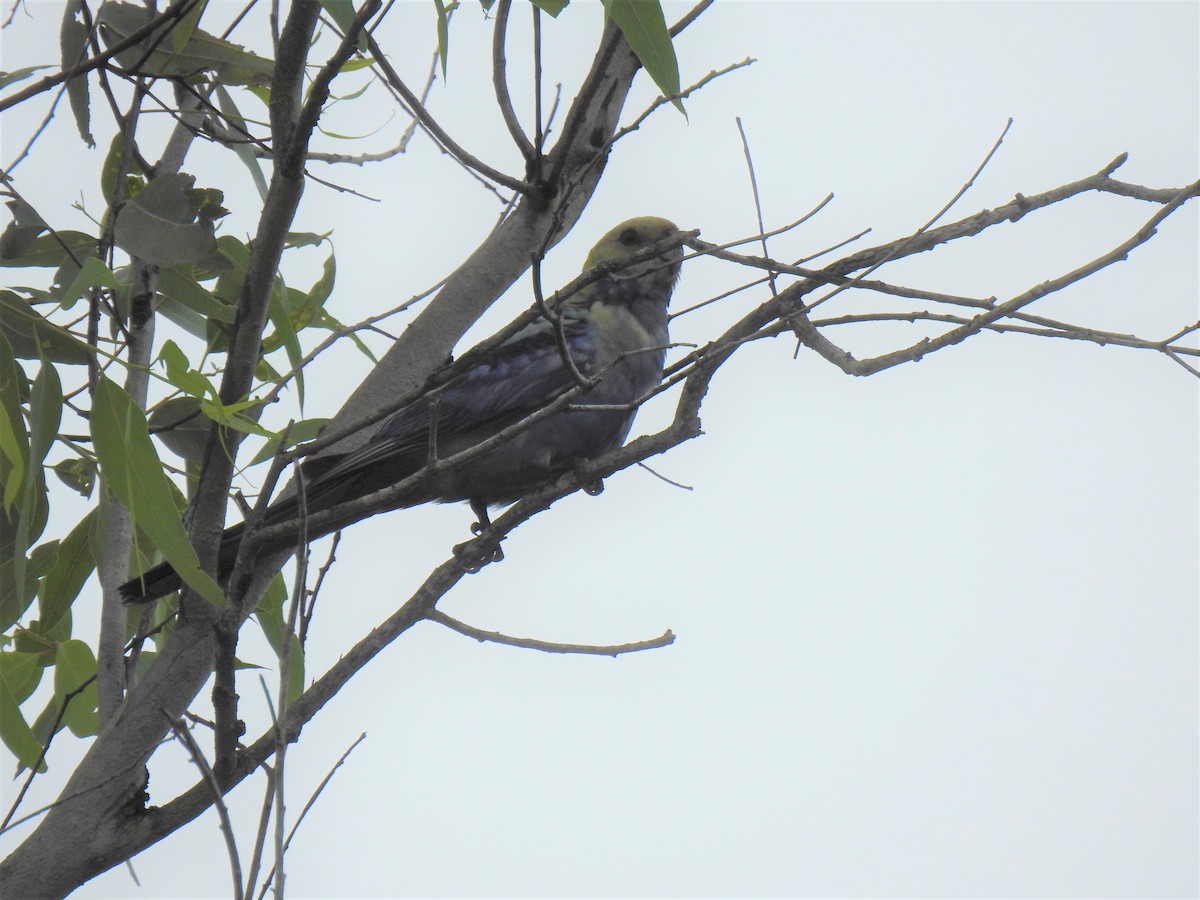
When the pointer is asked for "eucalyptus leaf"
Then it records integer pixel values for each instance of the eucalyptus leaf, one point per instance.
(645, 28)
(200, 53)
(79, 474)
(75, 686)
(73, 50)
(22, 231)
(18, 737)
(133, 473)
(7, 78)
(72, 567)
(52, 250)
(159, 225)
(31, 335)
(181, 425)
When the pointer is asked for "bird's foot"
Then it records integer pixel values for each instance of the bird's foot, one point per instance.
(473, 558)
(592, 486)
(481, 514)
(470, 556)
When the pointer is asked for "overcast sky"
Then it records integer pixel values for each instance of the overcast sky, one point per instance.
(937, 628)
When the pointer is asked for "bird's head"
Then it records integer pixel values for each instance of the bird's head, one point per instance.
(655, 276)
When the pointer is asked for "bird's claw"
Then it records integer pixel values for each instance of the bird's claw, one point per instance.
(472, 560)
(592, 486)
(481, 513)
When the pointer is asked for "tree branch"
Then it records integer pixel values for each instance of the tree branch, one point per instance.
(663, 640)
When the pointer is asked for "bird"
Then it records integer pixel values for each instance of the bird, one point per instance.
(614, 329)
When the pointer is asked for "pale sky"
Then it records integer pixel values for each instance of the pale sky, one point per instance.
(937, 629)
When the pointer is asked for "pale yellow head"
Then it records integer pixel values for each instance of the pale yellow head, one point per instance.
(655, 275)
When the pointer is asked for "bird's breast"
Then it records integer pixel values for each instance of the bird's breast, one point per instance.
(629, 352)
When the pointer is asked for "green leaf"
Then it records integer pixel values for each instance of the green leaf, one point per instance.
(57, 633)
(116, 166)
(189, 304)
(24, 510)
(645, 28)
(270, 616)
(183, 31)
(73, 49)
(79, 474)
(202, 52)
(31, 335)
(280, 313)
(53, 250)
(159, 224)
(72, 567)
(93, 273)
(133, 473)
(20, 582)
(14, 440)
(304, 430)
(315, 299)
(181, 425)
(45, 414)
(74, 665)
(353, 65)
(7, 78)
(551, 7)
(443, 31)
(22, 231)
(242, 148)
(228, 289)
(342, 13)
(305, 239)
(230, 415)
(18, 737)
(180, 373)
(22, 672)
(269, 613)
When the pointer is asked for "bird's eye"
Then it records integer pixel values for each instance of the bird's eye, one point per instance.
(630, 237)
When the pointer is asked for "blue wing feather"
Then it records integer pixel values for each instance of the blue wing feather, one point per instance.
(514, 380)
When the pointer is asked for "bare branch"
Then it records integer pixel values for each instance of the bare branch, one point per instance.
(436, 615)
(757, 200)
(309, 805)
(435, 130)
(500, 82)
(681, 95)
(959, 334)
(185, 737)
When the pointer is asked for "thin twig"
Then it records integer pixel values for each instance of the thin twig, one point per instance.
(900, 247)
(500, 82)
(555, 318)
(185, 737)
(309, 805)
(435, 130)
(671, 98)
(757, 201)
(661, 477)
(436, 615)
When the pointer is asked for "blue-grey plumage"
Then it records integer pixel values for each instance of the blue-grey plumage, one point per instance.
(615, 329)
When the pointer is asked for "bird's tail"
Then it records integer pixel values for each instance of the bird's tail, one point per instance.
(320, 495)
(162, 579)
